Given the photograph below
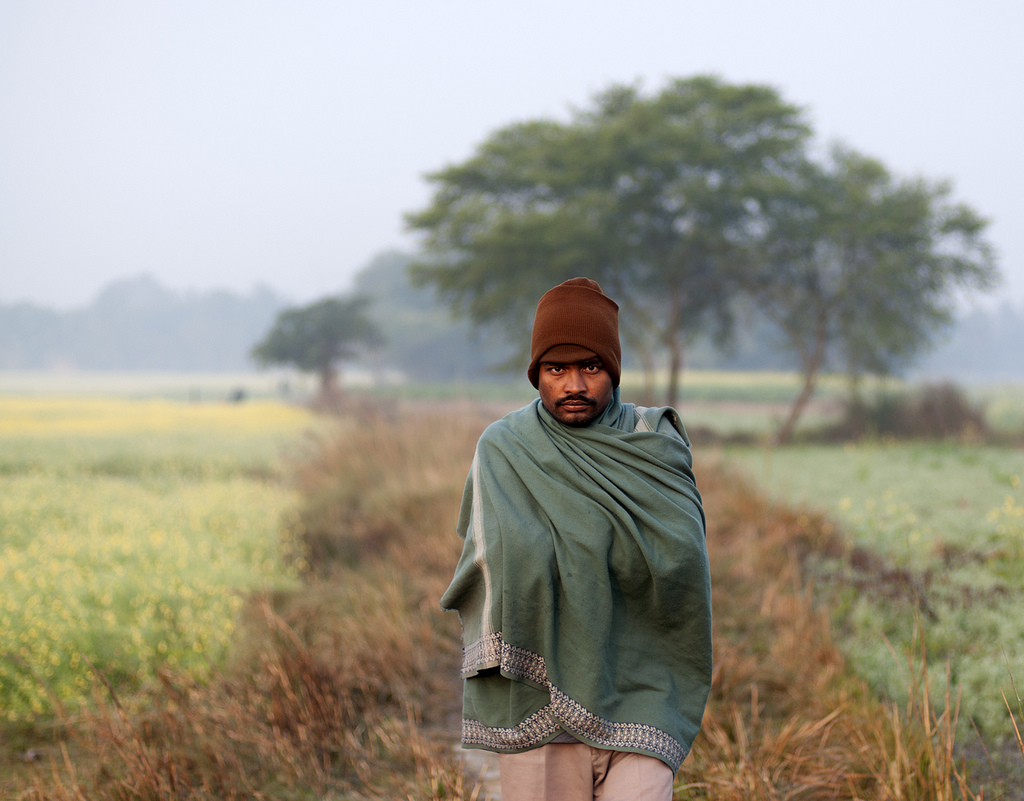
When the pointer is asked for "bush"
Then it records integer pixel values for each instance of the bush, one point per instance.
(932, 411)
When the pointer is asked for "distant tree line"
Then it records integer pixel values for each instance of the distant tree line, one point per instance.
(138, 324)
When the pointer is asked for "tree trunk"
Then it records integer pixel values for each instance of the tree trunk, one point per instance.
(638, 337)
(674, 343)
(647, 364)
(330, 398)
(812, 365)
(328, 381)
(785, 433)
(855, 385)
(675, 371)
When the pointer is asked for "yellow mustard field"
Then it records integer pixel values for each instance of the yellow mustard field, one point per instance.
(75, 416)
(129, 532)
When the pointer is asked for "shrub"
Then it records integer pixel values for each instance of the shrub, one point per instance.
(932, 411)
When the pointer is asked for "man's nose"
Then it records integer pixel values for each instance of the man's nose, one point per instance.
(574, 383)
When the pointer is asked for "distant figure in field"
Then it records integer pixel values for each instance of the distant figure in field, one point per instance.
(583, 587)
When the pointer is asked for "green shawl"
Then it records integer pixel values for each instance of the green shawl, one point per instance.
(583, 587)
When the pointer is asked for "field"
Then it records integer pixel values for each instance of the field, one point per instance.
(131, 528)
(935, 545)
(246, 573)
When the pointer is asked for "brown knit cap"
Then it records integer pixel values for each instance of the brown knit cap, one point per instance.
(576, 314)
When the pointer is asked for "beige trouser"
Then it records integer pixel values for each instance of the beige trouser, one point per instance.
(577, 772)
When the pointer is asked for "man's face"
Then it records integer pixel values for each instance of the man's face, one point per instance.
(575, 393)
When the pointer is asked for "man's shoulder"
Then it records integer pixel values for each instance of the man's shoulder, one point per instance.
(661, 420)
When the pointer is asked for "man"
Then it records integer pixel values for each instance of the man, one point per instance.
(583, 586)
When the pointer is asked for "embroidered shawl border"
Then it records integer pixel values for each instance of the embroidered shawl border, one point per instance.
(563, 711)
(491, 651)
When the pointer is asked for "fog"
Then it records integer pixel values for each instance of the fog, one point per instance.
(236, 144)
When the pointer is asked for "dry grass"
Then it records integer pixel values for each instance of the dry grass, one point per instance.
(1016, 713)
(786, 719)
(348, 688)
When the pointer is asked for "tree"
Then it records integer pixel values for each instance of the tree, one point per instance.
(653, 196)
(861, 268)
(318, 337)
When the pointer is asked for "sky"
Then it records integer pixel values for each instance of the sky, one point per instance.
(236, 143)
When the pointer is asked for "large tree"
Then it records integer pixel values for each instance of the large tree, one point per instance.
(319, 337)
(653, 196)
(859, 269)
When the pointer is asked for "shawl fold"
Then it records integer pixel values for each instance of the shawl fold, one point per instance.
(583, 587)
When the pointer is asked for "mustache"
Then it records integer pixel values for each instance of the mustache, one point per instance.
(576, 399)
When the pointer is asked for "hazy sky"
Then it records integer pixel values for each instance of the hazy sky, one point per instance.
(227, 144)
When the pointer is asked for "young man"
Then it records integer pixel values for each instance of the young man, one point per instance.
(583, 586)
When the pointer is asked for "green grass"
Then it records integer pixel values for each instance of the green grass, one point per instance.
(130, 530)
(946, 523)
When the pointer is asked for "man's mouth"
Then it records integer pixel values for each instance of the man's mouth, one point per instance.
(575, 403)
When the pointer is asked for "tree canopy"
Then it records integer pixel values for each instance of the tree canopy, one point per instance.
(319, 337)
(651, 196)
(683, 201)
